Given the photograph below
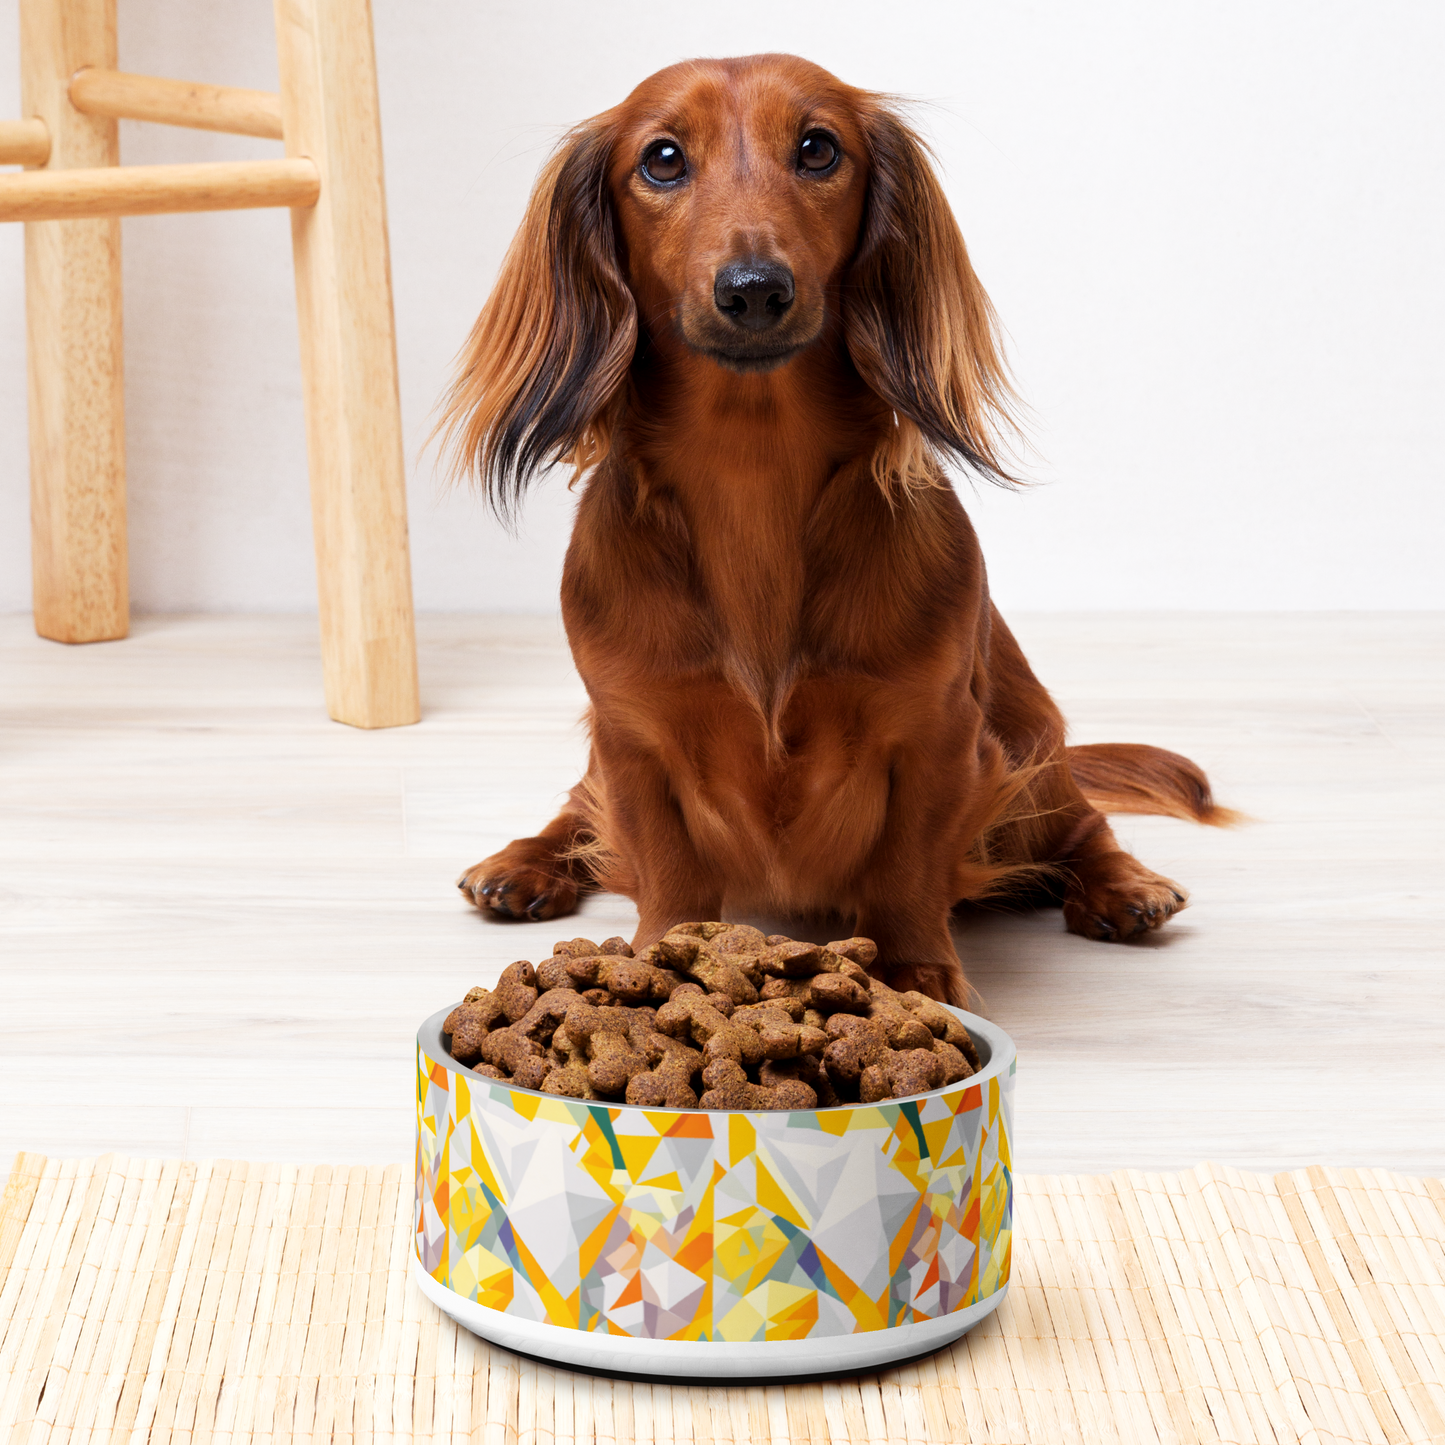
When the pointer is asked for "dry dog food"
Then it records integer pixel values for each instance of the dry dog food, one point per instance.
(714, 1015)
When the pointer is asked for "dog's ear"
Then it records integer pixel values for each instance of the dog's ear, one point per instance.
(539, 377)
(919, 325)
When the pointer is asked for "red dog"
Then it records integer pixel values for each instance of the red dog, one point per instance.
(740, 303)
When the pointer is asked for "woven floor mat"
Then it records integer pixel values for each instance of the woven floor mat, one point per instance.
(155, 1300)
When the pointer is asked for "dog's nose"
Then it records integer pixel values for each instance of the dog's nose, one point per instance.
(755, 294)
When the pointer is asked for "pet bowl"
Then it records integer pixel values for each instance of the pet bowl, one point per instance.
(713, 1243)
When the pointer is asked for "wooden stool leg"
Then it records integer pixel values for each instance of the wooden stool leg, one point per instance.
(72, 306)
(348, 360)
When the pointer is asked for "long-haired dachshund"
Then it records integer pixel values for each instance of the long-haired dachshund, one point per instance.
(740, 306)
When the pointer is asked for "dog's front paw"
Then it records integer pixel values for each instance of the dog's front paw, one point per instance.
(516, 883)
(1115, 898)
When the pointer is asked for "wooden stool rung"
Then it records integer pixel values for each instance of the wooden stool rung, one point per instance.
(96, 91)
(155, 190)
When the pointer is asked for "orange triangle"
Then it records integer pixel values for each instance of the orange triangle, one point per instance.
(632, 1294)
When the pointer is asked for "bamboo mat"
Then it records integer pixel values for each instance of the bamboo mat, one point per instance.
(156, 1300)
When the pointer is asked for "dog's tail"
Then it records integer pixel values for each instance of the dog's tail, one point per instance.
(1135, 778)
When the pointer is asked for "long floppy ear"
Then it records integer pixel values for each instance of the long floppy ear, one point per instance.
(540, 375)
(919, 326)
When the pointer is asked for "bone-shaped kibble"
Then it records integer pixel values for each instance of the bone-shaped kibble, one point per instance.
(668, 1084)
(903, 1029)
(832, 993)
(569, 1080)
(955, 1066)
(552, 972)
(781, 1036)
(612, 1060)
(514, 1052)
(630, 979)
(470, 1022)
(740, 940)
(941, 1023)
(575, 948)
(545, 1016)
(798, 960)
(856, 1044)
(516, 989)
(691, 956)
(900, 1075)
(805, 1069)
(728, 1087)
(691, 1017)
(720, 1001)
(862, 951)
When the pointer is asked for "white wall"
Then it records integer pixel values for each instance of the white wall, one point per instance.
(1212, 231)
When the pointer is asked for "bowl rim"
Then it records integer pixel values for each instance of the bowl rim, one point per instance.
(1002, 1055)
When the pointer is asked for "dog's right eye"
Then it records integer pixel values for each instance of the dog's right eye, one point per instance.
(664, 162)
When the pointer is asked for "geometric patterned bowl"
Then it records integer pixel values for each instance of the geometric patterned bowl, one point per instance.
(713, 1243)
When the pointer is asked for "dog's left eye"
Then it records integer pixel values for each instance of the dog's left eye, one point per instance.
(818, 151)
(664, 162)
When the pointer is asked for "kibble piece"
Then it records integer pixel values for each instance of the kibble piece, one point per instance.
(508, 1049)
(575, 947)
(862, 951)
(691, 956)
(469, 1023)
(488, 1071)
(704, 931)
(545, 1016)
(901, 1075)
(902, 1029)
(739, 939)
(516, 990)
(781, 1036)
(696, 1018)
(789, 1005)
(853, 1048)
(632, 980)
(832, 993)
(774, 988)
(615, 945)
(728, 1087)
(569, 1080)
(612, 1060)
(940, 1021)
(668, 1084)
(805, 1069)
(797, 960)
(955, 1066)
(531, 1073)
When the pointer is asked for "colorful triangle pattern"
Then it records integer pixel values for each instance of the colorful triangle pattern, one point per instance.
(712, 1226)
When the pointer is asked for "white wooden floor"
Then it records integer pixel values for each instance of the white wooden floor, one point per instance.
(222, 916)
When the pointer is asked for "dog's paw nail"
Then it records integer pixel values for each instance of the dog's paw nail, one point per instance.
(535, 907)
(1178, 897)
(1135, 911)
(1106, 929)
